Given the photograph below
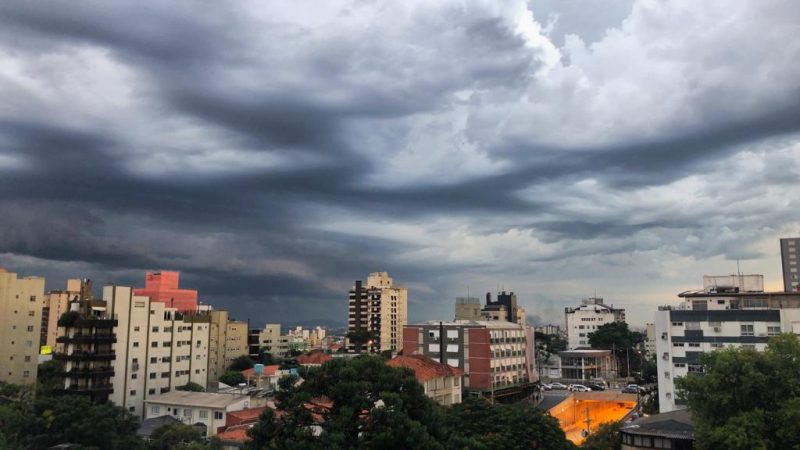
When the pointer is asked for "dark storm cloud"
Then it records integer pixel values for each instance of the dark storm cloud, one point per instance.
(321, 111)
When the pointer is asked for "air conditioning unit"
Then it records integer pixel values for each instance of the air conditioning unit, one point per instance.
(664, 336)
(717, 329)
(669, 394)
(665, 356)
(666, 374)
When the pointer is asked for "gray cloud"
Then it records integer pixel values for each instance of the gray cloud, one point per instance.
(274, 153)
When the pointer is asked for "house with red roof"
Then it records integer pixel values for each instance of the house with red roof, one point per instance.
(442, 382)
(314, 358)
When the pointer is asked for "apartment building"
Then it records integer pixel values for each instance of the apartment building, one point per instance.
(56, 303)
(496, 356)
(379, 308)
(20, 327)
(504, 308)
(227, 341)
(730, 311)
(588, 317)
(158, 348)
(163, 287)
(85, 344)
(789, 260)
(468, 308)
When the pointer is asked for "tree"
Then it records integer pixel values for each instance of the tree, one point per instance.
(746, 399)
(241, 363)
(265, 358)
(191, 387)
(478, 424)
(549, 344)
(68, 319)
(618, 337)
(361, 338)
(605, 437)
(375, 406)
(50, 377)
(232, 378)
(174, 436)
(46, 421)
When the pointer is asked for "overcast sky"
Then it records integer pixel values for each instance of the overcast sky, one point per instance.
(276, 151)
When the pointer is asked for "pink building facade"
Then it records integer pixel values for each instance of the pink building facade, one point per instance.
(163, 287)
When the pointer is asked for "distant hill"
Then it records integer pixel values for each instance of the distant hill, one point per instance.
(326, 323)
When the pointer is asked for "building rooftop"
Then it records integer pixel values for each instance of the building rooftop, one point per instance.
(149, 425)
(314, 357)
(471, 323)
(578, 352)
(425, 368)
(196, 399)
(245, 415)
(268, 371)
(675, 424)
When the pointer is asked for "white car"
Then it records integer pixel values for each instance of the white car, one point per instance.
(578, 388)
(557, 386)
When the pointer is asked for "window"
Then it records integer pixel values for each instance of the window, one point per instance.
(677, 344)
(692, 325)
(155, 329)
(33, 298)
(134, 376)
(694, 344)
(136, 328)
(31, 313)
(135, 344)
(218, 415)
(151, 392)
(677, 324)
(203, 414)
(773, 331)
(27, 359)
(30, 327)
(155, 409)
(747, 330)
(153, 360)
(717, 345)
(154, 344)
(187, 412)
(26, 374)
(680, 365)
(714, 324)
(133, 392)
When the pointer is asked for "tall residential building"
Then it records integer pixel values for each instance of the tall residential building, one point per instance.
(718, 316)
(163, 287)
(56, 303)
(380, 308)
(158, 348)
(227, 341)
(496, 356)
(585, 319)
(20, 326)
(650, 343)
(85, 344)
(789, 249)
(272, 341)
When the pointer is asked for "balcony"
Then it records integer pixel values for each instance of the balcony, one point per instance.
(85, 356)
(96, 322)
(107, 388)
(80, 338)
(90, 372)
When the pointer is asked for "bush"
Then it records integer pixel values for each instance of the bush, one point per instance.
(68, 319)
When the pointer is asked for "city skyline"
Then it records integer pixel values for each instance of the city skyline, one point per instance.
(273, 153)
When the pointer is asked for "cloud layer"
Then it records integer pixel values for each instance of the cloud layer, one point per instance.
(276, 152)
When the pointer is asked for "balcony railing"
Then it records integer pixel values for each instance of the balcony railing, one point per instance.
(95, 388)
(87, 338)
(90, 372)
(85, 356)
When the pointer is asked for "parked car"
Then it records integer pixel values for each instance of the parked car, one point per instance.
(578, 388)
(596, 387)
(632, 389)
(544, 387)
(558, 386)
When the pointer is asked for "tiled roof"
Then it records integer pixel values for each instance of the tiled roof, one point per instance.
(236, 433)
(268, 371)
(425, 368)
(314, 357)
(245, 415)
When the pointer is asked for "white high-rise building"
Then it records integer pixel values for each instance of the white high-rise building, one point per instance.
(722, 314)
(158, 348)
(587, 318)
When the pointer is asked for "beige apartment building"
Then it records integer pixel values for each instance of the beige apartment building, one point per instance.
(227, 341)
(380, 307)
(20, 326)
(158, 348)
(54, 304)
